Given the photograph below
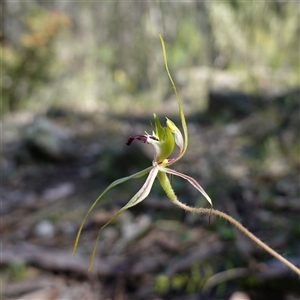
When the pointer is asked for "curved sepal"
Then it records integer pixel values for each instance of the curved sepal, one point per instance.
(183, 122)
(117, 182)
(191, 180)
(136, 199)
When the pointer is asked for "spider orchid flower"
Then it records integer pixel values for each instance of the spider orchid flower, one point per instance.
(163, 139)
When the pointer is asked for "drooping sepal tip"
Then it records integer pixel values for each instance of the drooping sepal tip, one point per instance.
(182, 117)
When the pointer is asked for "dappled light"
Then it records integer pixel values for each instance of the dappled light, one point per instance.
(82, 79)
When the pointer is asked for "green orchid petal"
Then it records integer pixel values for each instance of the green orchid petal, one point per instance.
(159, 130)
(183, 122)
(177, 134)
(165, 146)
(117, 182)
(136, 199)
(191, 180)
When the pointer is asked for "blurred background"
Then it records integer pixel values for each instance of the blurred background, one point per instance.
(78, 78)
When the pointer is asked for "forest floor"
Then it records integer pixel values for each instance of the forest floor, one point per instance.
(55, 165)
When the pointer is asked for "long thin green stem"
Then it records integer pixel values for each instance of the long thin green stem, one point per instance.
(241, 228)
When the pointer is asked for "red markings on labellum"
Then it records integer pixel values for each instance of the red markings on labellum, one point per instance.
(140, 137)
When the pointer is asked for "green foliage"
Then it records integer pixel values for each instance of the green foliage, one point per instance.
(227, 233)
(117, 60)
(190, 282)
(28, 65)
(161, 284)
(249, 33)
(18, 271)
(187, 51)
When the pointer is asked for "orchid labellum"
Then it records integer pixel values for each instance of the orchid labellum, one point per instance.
(163, 139)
